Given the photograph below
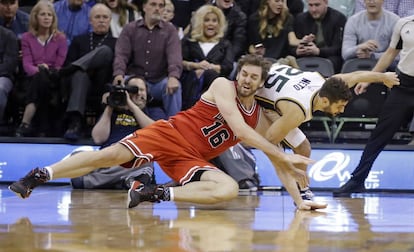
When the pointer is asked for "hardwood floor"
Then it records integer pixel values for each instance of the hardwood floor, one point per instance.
(61, 219)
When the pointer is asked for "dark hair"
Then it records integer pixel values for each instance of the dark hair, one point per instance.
(8, 1)
(255, 60)
(146, 1)
(335, 89)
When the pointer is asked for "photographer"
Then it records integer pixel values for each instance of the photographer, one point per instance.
(124, 112)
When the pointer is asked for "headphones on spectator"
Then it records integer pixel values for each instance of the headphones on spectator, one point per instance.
(130, 77)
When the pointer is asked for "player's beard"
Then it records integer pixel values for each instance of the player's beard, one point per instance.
(243, 92)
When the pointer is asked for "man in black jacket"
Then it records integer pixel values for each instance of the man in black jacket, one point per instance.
(324, 27)
(88, 63)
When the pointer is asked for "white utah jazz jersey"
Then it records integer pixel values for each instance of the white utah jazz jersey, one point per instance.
(287, 83)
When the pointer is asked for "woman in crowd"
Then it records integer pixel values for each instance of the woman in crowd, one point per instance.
(270, 30)
(44, 50)
(206, 54)
(122, 13)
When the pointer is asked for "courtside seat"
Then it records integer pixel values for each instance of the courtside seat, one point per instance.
(316, 64)
(353, 65)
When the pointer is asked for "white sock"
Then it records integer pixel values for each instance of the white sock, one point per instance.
(50, 171)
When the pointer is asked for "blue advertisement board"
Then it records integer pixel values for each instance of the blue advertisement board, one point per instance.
(393, 169)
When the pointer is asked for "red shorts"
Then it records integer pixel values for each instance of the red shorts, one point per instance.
(162, 143)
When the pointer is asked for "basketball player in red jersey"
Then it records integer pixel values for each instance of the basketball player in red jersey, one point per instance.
(226, 114)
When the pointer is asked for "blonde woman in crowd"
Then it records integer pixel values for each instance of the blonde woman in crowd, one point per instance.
(270, 30)
(44, 51)
(206, 54)
(122, 13)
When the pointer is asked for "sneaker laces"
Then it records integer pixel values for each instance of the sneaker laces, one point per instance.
(307, 194)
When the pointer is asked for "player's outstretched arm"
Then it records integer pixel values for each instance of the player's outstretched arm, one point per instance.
(224, 95)
(376, 75)
(289, 178)
(389, 79)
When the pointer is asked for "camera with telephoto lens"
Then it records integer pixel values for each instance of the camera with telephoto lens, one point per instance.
(117, 95)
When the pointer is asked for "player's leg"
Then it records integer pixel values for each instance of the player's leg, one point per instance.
(213, 187)
(74, 166)
(205, 185)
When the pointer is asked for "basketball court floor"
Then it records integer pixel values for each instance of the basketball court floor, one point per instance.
(57, 218)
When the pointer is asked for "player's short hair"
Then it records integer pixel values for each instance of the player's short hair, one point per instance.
(335, 89)
(255, 60)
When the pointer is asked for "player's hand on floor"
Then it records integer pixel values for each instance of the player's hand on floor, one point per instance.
(311, 205)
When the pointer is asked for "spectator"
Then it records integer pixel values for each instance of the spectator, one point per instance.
(150, 48)
(368, 33)
(169, 11)
(398, 106)
(44, 50)
(12, 18)
(402, 8)
(88, 64)
(122, 13)
(168, 16)
(236, 31)
(270, 30)
(16, 20)
(206, 54)
(8, 63)
(390, 5)
(73, 16)
(114, 124)
(295, 6)
(324, 27)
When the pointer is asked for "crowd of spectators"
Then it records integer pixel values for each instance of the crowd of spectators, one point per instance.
(176, 46)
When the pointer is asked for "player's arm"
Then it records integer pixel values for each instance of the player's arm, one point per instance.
(289, 180)
(222, 92)
(383, 63)
(291, 117)
(389, 79)
(100, 132)
(377, 74)
(224, 95)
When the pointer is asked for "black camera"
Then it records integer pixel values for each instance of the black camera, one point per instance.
(117, 96)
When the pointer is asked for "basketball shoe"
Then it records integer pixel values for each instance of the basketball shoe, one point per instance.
(306, 194)
(25, 185)
(151, 193)
(352, 186)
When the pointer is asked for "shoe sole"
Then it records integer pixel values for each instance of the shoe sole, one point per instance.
(17, 193)
(130, 199)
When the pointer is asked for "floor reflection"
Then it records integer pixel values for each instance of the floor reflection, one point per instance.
(62, 219)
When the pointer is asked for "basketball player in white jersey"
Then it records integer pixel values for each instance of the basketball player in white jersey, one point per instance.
(291, 96)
